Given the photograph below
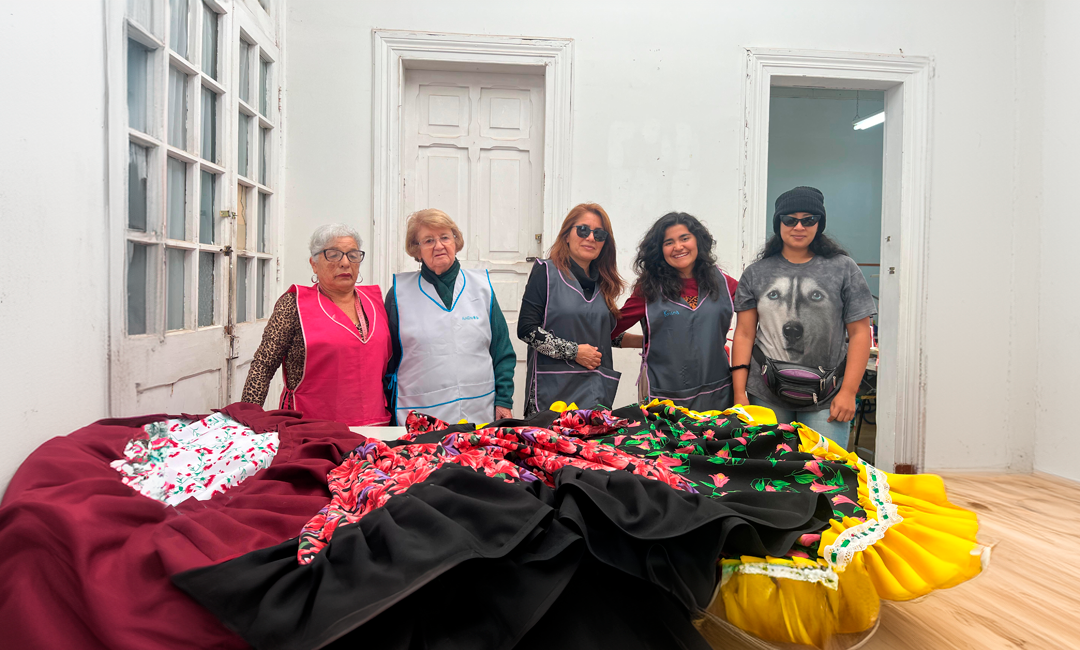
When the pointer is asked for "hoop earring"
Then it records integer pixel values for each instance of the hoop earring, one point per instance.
(314, 278)
(359, 279)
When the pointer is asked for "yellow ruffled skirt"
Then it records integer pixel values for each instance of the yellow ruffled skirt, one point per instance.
(913, 542)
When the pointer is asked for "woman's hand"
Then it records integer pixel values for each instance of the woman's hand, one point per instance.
(501, 413)
(588, 356)
(742, 399)
(842, 408)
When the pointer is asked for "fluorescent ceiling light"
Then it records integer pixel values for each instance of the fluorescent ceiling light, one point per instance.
(867, 122)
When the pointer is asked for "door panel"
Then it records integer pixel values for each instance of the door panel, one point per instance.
(473, 147)
(443, 178)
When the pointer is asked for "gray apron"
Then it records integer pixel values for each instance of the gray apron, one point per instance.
(685, 360)
(570, 316)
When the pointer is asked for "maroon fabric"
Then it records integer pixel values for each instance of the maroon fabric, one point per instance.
(85, 560)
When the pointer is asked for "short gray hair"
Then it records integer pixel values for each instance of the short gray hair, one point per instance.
(324, 234)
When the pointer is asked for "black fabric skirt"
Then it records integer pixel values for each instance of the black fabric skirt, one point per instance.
(461, 560)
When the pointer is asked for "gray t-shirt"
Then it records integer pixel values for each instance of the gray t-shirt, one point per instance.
(802, 310)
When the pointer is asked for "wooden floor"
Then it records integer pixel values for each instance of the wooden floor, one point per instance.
(1029, 597)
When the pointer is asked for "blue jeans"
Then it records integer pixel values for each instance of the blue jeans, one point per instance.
(836, 431)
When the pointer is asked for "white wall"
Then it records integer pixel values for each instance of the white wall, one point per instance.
(1058, 297)
(658, 124)
(53, 270)
(812, 142)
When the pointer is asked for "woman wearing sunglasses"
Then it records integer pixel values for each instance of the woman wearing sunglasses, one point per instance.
(452, 353)
(684, 304)
(567, 315)
(331, 339)
(803, 334)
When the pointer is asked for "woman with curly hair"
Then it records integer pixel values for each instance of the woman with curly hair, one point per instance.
(566, 328)
(683, 301)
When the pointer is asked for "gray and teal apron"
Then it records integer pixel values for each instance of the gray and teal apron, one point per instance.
(445, 369)
(568, 315)
(685, 360)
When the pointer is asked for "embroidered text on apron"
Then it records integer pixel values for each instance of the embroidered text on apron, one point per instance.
(445, 369)
(685, 361)
(343, 372)
(569, 316)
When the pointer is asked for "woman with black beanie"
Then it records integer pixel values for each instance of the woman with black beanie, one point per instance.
(803, 334)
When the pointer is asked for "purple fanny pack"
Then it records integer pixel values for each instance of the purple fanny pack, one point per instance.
(796, 384)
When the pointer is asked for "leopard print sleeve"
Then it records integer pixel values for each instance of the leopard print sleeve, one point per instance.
(279, 336)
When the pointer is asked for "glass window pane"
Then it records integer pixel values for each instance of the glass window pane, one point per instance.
(261, 282)
(241, 218)
(141, 287)
(174, 291)
(206, 288)
(243, 145)
(264, 90)
(177, 199)
(210, 41)
(138, 160)
(142, 12)
(264, 207)
(178, 26)
(137, 79)
(241, 288)
(209, 125)
(264, 155)
(245, 72)
(178, 108)
(207, 203)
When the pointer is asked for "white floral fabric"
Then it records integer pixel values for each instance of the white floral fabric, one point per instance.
(175, 460)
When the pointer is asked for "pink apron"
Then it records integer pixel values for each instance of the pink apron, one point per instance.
(343, 373)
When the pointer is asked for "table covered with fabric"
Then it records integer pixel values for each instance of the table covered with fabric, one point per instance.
(574, 529)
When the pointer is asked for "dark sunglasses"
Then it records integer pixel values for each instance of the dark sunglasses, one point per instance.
(599, 234)
(807, 222)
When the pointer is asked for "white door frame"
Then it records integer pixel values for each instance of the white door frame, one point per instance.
(901, 437)
(393, 51)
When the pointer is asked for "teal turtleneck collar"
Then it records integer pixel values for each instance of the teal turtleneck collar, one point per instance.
(443, 283)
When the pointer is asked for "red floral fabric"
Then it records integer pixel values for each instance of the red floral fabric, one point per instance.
(375, 471)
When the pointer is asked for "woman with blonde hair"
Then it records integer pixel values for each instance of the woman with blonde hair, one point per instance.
(452, 354)
(567, 328)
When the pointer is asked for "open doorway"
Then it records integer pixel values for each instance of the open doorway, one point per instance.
(834, 140)
(904, 81)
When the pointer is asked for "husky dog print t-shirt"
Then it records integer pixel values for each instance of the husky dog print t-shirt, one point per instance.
(803, 311)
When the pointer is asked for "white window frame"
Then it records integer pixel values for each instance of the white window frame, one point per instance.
(260, 27)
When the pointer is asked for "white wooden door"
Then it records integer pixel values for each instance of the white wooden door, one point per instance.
(199, 264)
(473, 147)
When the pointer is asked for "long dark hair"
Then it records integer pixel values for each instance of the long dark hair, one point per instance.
(656, 279)
(822, 245)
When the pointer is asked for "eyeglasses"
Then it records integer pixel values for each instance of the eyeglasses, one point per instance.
(599, 234)
(429, 242)
(807, 222)
(334, 255)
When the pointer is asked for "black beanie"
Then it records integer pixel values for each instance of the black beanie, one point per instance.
(800, 199)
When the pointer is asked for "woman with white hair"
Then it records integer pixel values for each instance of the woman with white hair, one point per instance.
(452, 353)
(332, 339)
